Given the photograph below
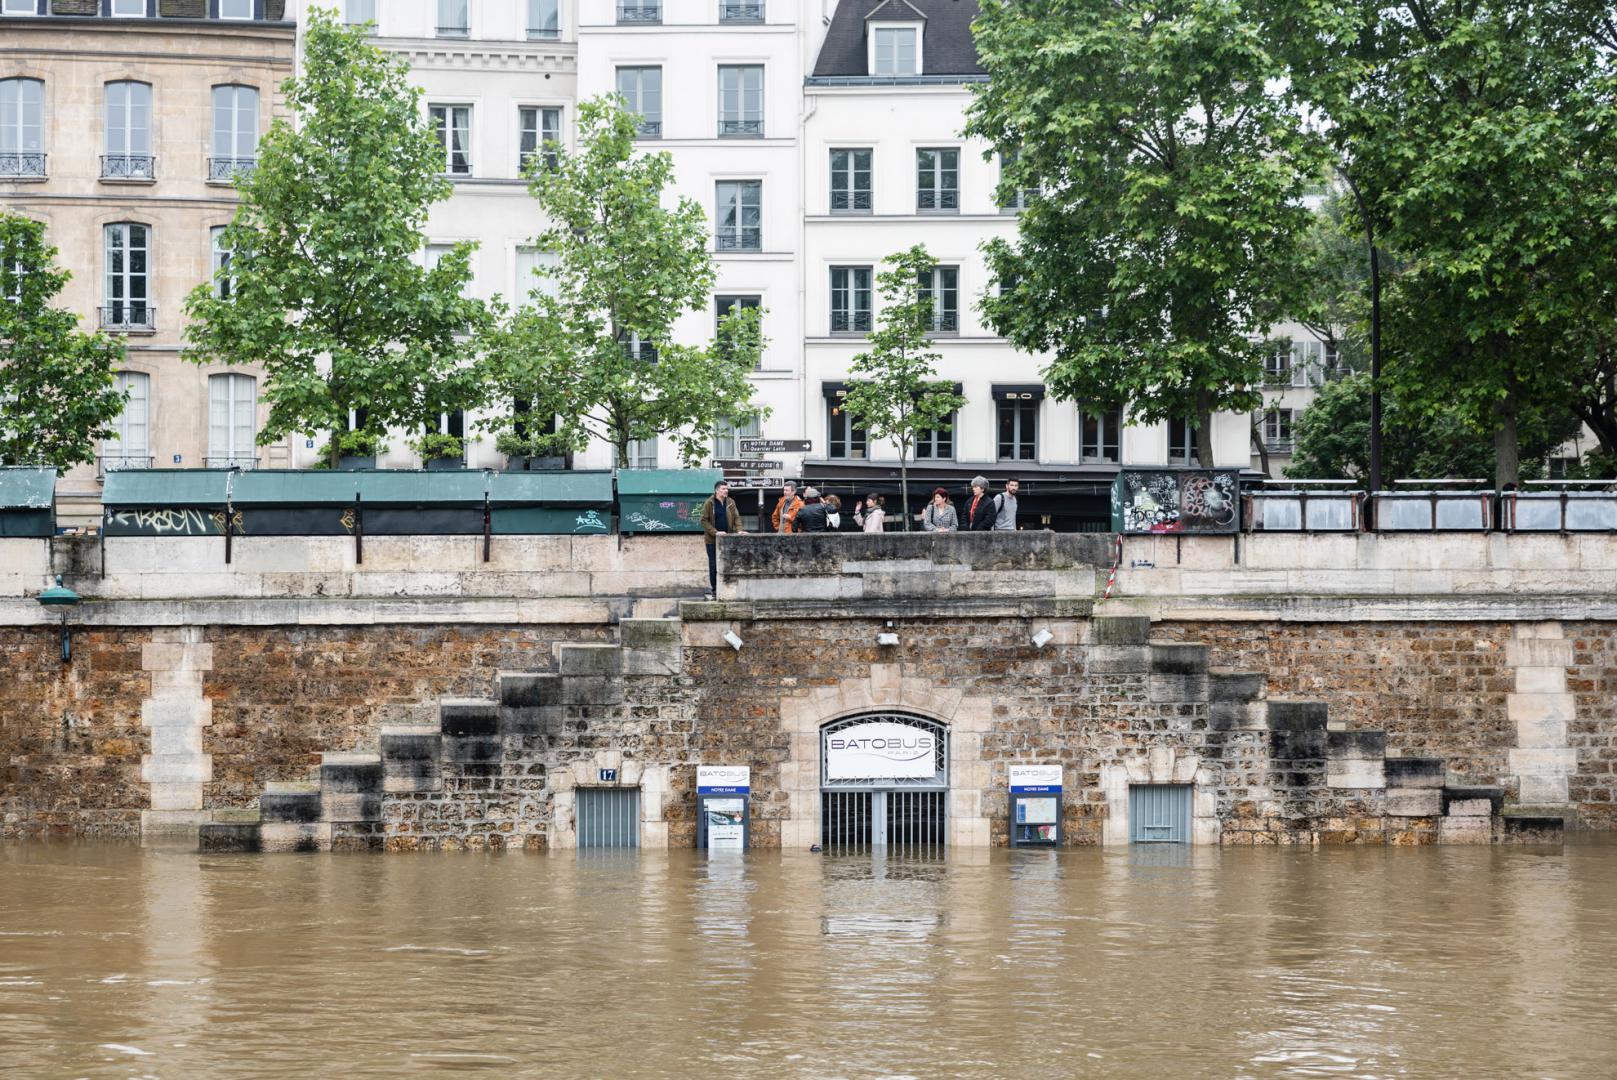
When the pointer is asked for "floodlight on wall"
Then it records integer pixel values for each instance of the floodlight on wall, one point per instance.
(733, 640)
(1042, 638)
(887, 637)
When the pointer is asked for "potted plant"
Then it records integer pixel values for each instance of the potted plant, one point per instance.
(534, 453)
(355, 450)
(441, 452)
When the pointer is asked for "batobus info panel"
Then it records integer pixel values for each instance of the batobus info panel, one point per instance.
(722, 794)
(1035, 805)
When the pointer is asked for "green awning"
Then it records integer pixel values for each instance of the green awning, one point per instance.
(28, 488)
(561, 487)
(293, 487)
(668, 481)
(165, 487)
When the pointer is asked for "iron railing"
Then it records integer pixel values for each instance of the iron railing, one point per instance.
(25, 163)
(113, 462)
(128, 316)
(849, 202)
(649, 129)
(738, 11)
(944, 322)
(226, 169)
(850, 322)
(640, 14)
(455, 31)
(544, 33)
(744, 238)
(128, 167)
(233, 461)
(740, 127)
(938, 199)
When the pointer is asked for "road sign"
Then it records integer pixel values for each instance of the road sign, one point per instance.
(746, 483)
(776, 446)
(749, 464)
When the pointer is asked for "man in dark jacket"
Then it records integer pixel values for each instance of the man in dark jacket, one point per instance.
(980, 510)
(811, 518)
(719, 515)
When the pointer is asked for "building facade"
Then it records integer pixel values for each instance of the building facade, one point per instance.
(122, 125)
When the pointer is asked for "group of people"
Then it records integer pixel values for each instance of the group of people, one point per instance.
(811, 512)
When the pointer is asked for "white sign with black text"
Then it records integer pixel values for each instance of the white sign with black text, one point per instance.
(880, 751)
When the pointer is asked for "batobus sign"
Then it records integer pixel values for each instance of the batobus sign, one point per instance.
(880, 750)
(723, 791)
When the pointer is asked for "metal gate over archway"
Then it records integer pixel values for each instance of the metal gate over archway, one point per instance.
(884, 782)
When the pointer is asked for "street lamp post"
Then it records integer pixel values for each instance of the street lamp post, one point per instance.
(64, 598)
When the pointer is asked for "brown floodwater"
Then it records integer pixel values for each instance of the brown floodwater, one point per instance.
(1149, 962)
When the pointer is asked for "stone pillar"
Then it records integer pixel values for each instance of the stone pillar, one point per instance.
(176, 712)
(1540, 710)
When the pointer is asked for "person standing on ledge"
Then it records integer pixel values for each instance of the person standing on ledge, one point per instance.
(980, 509)
(786, 509)
(1005, 507)
(719, 515)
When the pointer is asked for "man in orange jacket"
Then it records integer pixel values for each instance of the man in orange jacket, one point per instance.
(786, 509)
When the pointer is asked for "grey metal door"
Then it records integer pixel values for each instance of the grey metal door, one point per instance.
(1159, 814)
(608, 818)
(904, 818)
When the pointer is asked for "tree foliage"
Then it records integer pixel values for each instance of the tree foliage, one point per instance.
(57, 391)
(1163, 239)
(596, 347)
(327, 289)
(894, 393)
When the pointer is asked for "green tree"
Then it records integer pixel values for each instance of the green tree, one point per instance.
(325, 286)
(596, 346)
(57, 392)
(893, 391)
(1163, 238)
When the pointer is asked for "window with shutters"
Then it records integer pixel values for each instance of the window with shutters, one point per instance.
(232, 421)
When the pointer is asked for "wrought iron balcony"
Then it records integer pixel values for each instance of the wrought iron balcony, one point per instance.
(850, 322)
(241, 461)
(544, 33)
(746, 238)
(455, 31)
(22, 163)
(128, 315)
(1279, 446)
(643, 14)
(752, 128)
(934, 200)
(850, 202)
(649, 129)
(117, 459)
(740, 11)
(226, 169)
(128, 167)
(944, 322)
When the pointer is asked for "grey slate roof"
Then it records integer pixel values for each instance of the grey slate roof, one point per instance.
(947, 40)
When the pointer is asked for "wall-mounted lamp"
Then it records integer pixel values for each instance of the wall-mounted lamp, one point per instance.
(64, 598)
(1042, 638)
(887, 637)
(733, 640)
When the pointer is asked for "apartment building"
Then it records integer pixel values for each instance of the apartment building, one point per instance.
(123, 124)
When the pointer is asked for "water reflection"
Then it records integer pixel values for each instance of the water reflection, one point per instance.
(1149, 962)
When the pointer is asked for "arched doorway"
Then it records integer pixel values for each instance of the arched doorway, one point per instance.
(884, 782)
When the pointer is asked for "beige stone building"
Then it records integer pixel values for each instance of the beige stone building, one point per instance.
(122, 123)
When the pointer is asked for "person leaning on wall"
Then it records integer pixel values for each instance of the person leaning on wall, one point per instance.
(786, 509)
(980, 508)
(939, 515)
(719, 515)
(811, 518)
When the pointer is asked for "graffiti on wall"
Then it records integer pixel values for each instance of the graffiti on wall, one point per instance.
(1176, 501)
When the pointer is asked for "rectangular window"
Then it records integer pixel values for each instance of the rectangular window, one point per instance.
(529, 281)
(1019, 427)
(359, 12)
(129, 446)
(741, 100)
(1100, 435)
(942, 287)
(232, 421)
(1307, 363)
(937, 183)
(1277, 431)
(844, 438)
(936, 445)
(896, 52)
(642, 91)
(223, 286)
(740, 216)
(850, 299)
(128, 253)
(640, 11)
(434, 254)
(1015, 200)
(20, 7)
(1277, 365)
(1182, 443)
(453, 124)
(22, 127)
(642, 453)
(129, 9)
(728, 435)
(454, 18)
(540, 134)
(235, 131)
(235, 9)
(544, 20)
(129, 131)
(724, 305)
(850, 182)
(638, 348)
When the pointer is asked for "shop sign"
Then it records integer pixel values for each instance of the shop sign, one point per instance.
(1034, 779)
(880, 751)
(723, 779)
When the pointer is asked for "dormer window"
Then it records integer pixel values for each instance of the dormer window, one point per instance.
(895, 51)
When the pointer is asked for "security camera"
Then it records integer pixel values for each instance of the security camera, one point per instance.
(1042, 638)
(734, 640)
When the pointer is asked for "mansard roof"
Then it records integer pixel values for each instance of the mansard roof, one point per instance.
(947, 44)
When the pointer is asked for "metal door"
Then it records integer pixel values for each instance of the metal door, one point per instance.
(904, 818)
(608, 818)
(1159, 814)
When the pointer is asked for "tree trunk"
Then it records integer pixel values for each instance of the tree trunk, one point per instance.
(1204, 429)
(1260, 446)
(1507, 467)
(904, 484)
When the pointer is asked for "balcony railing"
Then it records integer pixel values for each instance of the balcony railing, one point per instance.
(850, 322)
(740, 127)
(128, 167)
(640, 14)
(1279, 446)
(739, 11)
(128, 316)
(117, 459)
(944, 322)
(850, 202)
(930, 199)
(224, 170)
(455, 31)
(241, 461)
(544, 33)
(24, 163)
(746, 238)
(649, 129)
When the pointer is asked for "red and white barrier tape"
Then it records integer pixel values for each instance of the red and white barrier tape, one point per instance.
(1111, 579)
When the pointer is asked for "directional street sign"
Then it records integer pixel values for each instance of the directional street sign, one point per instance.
(750, 464)
(747, 483)
(776, 446)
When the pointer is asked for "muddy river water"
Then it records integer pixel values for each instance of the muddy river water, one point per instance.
(1145, 962)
